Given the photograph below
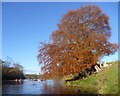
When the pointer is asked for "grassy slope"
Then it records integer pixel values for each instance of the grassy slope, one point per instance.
(104, 82)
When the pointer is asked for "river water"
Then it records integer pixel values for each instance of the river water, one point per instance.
(37, 87)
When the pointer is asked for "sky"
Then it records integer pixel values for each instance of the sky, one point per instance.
(25, 25)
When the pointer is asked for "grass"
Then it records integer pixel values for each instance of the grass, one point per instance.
(104, 82)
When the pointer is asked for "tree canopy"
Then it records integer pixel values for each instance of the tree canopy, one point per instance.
(81, 39)
(11, 70)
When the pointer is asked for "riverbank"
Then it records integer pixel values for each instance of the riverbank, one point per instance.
(104, 82)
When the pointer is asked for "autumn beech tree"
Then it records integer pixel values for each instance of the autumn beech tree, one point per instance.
(81, 39)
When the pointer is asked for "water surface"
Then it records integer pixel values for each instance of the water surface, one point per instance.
(37, 87)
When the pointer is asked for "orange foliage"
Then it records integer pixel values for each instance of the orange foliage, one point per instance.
(79, 42)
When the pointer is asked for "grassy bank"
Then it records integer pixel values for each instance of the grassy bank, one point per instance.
(104, 82)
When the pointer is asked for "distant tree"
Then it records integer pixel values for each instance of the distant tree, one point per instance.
(8, 62)
(11, 72)
(81, 39)
(18, 66)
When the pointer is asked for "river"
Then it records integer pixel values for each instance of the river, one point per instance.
(37, 87)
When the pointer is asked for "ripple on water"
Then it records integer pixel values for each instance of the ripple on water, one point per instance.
(38, 87)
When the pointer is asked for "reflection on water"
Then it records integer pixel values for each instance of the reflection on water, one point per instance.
(36, 87)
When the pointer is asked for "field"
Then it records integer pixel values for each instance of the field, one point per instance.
(104, 82)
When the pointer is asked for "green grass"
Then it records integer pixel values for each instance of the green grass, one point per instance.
(104, 82)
